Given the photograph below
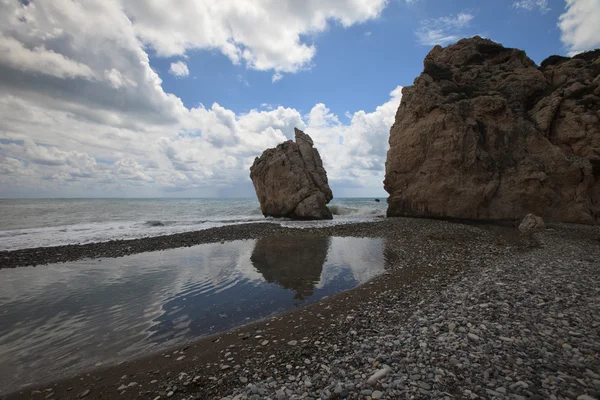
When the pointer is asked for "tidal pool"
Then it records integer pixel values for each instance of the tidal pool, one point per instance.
(60, 319)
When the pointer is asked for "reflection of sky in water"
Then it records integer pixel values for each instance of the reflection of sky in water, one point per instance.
(59, 318)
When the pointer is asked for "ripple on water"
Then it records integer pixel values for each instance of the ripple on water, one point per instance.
(59, 319)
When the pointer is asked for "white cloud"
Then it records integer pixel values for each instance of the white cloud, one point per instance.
(579, 25)
(276, 77)
(443, 30)
(40, 60)
(531, 5)
(179, 69)
(354, 153)
(83, 113)
(265, 35)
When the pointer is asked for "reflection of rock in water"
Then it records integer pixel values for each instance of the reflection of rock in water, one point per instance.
(293, 263)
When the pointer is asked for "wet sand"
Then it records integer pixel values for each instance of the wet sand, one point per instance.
(426, 257)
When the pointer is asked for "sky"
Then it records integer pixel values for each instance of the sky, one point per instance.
(157, 98)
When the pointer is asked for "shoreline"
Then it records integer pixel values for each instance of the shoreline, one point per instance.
(428, 257)
(119, 248)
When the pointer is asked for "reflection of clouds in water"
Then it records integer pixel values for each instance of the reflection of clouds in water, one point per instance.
(106, 307)
(364, 258)
(64, 317)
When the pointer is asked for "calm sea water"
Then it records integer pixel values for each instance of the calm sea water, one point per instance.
(60, 319)
(26, 223)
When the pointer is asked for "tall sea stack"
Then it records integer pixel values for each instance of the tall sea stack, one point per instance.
(290, 180)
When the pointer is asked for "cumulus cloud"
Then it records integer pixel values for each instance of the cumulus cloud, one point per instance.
(354, 153)
(264, 35)
(531, 5)
(579, 25)
(40, 60)
(443, 30)
(179, 69)
(83, 113)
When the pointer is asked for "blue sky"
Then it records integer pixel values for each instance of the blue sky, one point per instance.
(355, 67)
(133, 99)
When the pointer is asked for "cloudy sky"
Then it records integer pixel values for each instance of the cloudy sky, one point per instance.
(137, 98)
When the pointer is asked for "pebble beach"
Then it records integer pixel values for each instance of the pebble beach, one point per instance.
(462, 311)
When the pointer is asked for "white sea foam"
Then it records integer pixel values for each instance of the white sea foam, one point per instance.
(55, 222)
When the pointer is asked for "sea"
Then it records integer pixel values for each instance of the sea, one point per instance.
(31, 223)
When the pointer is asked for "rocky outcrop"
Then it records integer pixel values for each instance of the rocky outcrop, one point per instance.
(484, 133)
(531, 224)
(290, 180)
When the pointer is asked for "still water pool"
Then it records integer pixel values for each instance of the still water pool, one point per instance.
(58, 319)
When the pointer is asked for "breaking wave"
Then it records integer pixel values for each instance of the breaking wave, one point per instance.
(344, 211)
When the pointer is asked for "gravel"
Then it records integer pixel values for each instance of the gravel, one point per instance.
(522, 324)
(462, 312)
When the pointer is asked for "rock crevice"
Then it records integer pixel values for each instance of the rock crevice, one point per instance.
(484, 133)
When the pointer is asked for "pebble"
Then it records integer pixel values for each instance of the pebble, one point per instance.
(378, 375)
(424, 385)
(473, 337)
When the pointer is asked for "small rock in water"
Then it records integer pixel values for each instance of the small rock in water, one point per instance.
(85, 393)
(293, 342)
(377, 394)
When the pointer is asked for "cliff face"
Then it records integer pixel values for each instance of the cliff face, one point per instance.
(290, 180)
(484, 133)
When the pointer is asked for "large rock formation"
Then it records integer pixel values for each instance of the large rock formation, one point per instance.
(484, 133)
(290, 180)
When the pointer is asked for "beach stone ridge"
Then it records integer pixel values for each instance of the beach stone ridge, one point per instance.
(290, 180)
(484, 133)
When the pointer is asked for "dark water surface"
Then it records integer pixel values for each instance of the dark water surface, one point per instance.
(58, 319)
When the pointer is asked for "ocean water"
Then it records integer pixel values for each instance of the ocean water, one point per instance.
(59, 319)
(28, 223)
